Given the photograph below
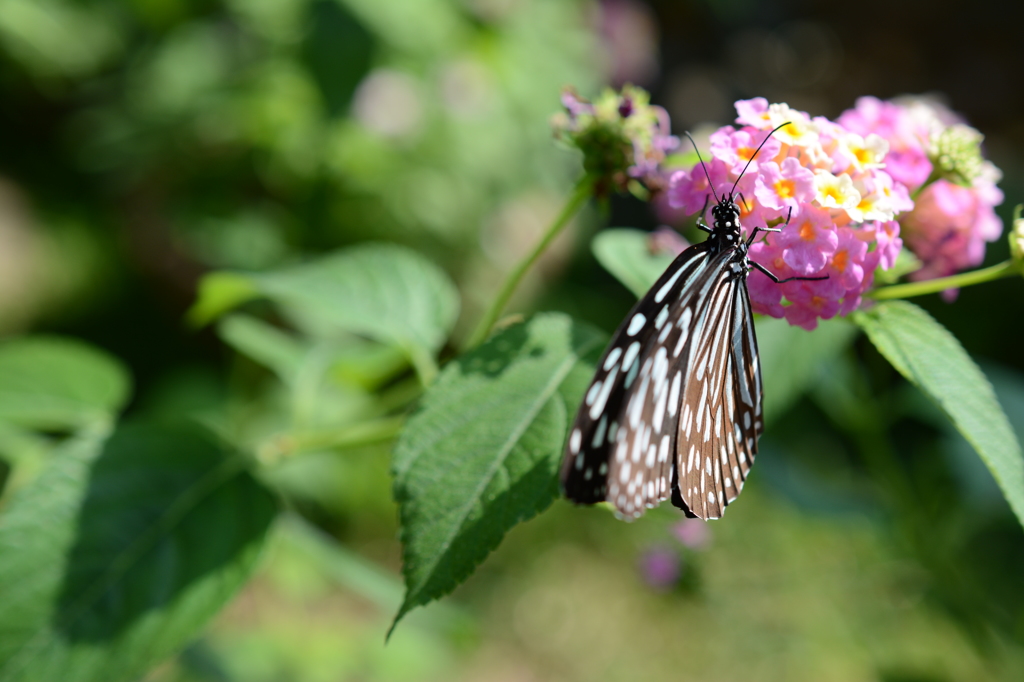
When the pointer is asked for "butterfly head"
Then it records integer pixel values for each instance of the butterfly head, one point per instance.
(726, 215)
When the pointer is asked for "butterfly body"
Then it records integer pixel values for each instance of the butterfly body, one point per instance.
(674, 410)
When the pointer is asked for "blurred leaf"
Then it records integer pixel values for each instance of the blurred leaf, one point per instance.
(932, 359)
(218, 293)
(412, 25)
(121, 550)
(626, 254)
(367, 364)
(337, 52)
(51, 383)
(59, 38)
(906, 263)
(791, 358)
(482, 453)
(264, 343)
(383, 291)
(357, 573)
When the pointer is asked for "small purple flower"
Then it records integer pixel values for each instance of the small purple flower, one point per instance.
(887, 237)
(737, 149)
(808, 241)
(661, 568)
(692, 533)
(949, 227)
(783, 187)
(753, 112)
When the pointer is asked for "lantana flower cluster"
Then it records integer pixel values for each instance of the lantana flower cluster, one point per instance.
(938, 159)
(622, 136)
(828, 181)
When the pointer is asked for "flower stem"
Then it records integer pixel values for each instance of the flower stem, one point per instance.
(932, 286)
(579, 196)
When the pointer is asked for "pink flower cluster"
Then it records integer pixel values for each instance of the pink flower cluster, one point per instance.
(843, 206)
(951, 221)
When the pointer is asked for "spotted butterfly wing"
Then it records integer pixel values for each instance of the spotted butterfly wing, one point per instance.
(674, 407)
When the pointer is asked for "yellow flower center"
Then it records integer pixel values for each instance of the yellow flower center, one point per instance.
(745, 153)
(832, 192)
(863, 155)
(785, 188)
(807, 231)
(840, 260)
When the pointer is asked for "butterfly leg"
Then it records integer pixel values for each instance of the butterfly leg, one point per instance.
(753, 233)
(701, 223)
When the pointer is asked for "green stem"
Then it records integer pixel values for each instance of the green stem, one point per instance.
(924, 185)
(932, 286)
(576, 201)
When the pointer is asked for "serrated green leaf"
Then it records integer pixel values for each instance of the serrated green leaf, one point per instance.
(50, 383)
(482, 453)
(626, 254)
(120, 551)
(932, 359)
(791, 358)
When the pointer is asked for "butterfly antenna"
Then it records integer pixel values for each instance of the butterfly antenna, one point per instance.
(710, 184)
(754, 155)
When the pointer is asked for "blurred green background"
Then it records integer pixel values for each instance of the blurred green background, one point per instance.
(149, 142)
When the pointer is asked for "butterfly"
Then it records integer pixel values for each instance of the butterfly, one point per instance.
(674, 409)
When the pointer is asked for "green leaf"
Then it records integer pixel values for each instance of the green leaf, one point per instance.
(482, 453)
(906, 263)
(220, 292)
(120, 551)
(50, 383)
(626, 254)
(264, 343)
(932, 359)
(383, 291)
(792, 358)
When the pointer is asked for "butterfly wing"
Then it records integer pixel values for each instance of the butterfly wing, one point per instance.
(622, 444)
(720, 414)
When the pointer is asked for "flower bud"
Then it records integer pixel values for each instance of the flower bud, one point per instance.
(622, 136)
(1017, 235)
(956, 154)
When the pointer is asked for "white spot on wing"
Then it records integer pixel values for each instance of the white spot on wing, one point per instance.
(636, 324)
(667, 286)
(599, 433)
(662, 316)
(602, 398)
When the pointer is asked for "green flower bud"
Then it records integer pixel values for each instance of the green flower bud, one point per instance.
(1017, 236)
(622, 136)
(956, 154)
